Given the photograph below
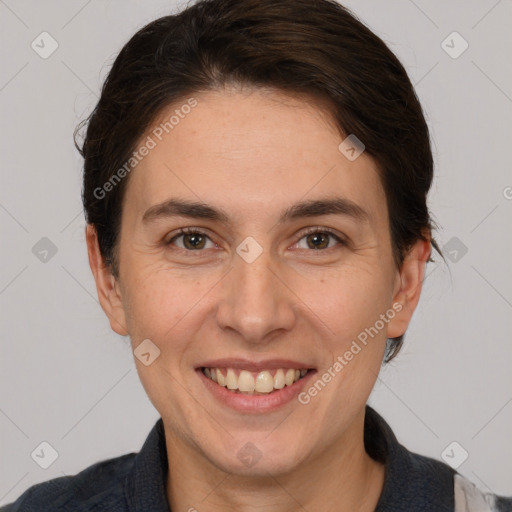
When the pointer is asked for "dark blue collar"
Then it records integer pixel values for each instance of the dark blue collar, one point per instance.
(413, 482)
(145, 485)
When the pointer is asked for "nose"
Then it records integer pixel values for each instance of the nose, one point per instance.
(256, 302)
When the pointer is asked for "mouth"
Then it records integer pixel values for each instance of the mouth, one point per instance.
(255, 387)
(262, 382)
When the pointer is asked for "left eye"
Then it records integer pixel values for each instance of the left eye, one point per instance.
(319, 239)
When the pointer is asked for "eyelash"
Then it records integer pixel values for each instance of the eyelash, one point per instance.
(309, 231)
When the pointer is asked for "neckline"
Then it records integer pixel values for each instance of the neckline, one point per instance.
(405, 472)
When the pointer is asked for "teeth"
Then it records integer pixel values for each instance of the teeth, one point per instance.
(264, 382)
(289, 377)
(231, 379)
(245, 381)
(279, 379)
(251, 383)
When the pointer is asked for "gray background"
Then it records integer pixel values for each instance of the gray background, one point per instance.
(69, 380)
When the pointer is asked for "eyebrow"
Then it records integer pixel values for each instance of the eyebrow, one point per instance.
(303, 209)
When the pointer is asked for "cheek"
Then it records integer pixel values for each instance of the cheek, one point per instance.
(159, 303)
(347, 300)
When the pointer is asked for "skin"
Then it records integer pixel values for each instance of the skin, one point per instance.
(253, 153)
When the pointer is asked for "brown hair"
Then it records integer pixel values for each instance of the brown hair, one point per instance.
(316, 48)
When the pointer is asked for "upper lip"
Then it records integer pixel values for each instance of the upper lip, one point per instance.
(254, 366)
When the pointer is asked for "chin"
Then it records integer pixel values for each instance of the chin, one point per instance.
(256, 458)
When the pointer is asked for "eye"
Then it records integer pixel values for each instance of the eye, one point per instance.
(319, 239)
(192, 240)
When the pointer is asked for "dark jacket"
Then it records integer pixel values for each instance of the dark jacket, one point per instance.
(136, 482)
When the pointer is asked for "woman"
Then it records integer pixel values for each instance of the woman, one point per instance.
(255, 186)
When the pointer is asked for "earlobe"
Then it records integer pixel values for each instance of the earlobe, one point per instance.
(408, 287)
(108, 294)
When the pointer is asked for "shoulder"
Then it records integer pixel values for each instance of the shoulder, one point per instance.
(135, 481)
(421, 483)
(413, 481)
(468, 498)
(98, 487)
(457, 493)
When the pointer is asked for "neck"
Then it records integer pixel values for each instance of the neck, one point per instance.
(342, 477)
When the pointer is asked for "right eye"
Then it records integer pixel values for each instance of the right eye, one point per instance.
(192, 240)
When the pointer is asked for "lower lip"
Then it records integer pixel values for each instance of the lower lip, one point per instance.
(255, 403)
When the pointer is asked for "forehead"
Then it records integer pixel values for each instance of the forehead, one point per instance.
(251, 153)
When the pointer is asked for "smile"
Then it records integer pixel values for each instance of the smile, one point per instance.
(254, 383)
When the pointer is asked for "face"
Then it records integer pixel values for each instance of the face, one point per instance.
(285, 263)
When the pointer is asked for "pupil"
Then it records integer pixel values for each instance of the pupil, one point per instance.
(194, 240)
(317, 238)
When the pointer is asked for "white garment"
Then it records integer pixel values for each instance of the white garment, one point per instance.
(468, 498)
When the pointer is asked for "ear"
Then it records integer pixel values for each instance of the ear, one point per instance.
(109, 297)
(408, 287)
